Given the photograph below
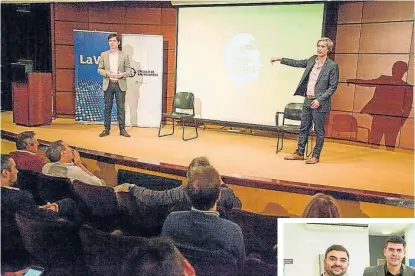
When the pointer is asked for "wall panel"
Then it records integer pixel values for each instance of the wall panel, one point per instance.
(64, 57)
(65, 80)
(347, 39)
(374, 11)
(64, 31)
(392, 37)
(65, 103)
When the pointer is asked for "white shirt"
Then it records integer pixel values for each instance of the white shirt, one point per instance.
(71, 171)
(113, 59)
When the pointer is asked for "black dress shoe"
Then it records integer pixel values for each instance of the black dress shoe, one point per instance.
(124, 133)
(105, 132)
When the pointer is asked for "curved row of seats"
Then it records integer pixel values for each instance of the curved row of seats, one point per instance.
(104, 210)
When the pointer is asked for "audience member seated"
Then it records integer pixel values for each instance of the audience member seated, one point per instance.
(14, 200)
(178, 198)
(25, 156)
(158, 256)
(201, 229)
(67, 163)
(321, 206)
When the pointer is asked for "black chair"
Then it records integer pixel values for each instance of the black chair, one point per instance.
(139, 219)
(292, 111)
(259, 231)
(100, 204)
(182, 101)
(54, 188)
(210, 263)
(148, 181)
(104, 253)
(52, 242)
(29, 181)
(254, 266)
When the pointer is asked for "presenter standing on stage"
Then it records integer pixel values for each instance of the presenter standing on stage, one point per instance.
(112, 66)
(317, 85)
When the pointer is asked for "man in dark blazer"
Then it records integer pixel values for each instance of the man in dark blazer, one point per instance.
(317, 85)
(113, 66)
(394, 252)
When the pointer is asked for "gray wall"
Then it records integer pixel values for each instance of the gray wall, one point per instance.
(376, 244)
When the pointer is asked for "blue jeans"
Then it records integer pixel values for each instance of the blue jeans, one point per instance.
(309, 117)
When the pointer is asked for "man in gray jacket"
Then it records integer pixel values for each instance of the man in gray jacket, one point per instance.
(394, 252)
(317, 85)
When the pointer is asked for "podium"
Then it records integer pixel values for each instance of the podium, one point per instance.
(32, 99)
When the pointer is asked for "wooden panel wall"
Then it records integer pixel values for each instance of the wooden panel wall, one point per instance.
(370, 105)
(122, 17)
(374, 50)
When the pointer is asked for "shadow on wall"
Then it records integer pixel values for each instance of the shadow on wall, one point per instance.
(390, 105)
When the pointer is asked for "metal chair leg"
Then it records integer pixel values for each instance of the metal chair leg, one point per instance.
(280, 137)
(166, 134)
(195, 126)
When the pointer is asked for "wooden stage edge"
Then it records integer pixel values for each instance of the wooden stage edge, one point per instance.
(343, 193)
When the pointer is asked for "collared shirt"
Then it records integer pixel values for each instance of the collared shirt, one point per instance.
(26, 151)
(312, 80)
(212, 213)
(113, 59)
(71, 171)
(388, 273)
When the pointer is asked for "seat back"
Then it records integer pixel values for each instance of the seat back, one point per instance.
(99, 204)
(104, 252)
(100, 200)
(254, 266)
(259, 231)
(54, 188)
(210, 263)
(184, 100)
(51, 241)
(293, 111)
(139, 219)
(29, 181)
(152, 182)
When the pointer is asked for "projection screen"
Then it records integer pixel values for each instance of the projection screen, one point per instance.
(223, 57)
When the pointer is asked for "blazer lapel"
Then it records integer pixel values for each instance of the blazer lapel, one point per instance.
(107, 60)
(381, 271)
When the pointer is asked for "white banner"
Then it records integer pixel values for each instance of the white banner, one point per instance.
(143, 100)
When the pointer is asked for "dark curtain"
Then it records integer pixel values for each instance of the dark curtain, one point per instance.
(25, 34)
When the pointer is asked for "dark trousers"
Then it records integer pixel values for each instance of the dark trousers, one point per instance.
(309, 117)
(114, 90)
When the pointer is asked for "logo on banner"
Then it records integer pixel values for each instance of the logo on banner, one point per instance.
(146, 73)
(88, 60)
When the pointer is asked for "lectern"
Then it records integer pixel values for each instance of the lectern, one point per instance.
(32, 96)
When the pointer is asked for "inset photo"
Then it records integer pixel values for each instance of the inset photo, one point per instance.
(353, 247)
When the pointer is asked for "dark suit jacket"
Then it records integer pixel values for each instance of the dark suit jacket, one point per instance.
(14, 200)
(326, 82)
(379, 270)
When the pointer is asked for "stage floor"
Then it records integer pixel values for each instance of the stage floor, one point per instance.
(343, 165)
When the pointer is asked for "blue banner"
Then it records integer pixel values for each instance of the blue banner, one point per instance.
(89, 97)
